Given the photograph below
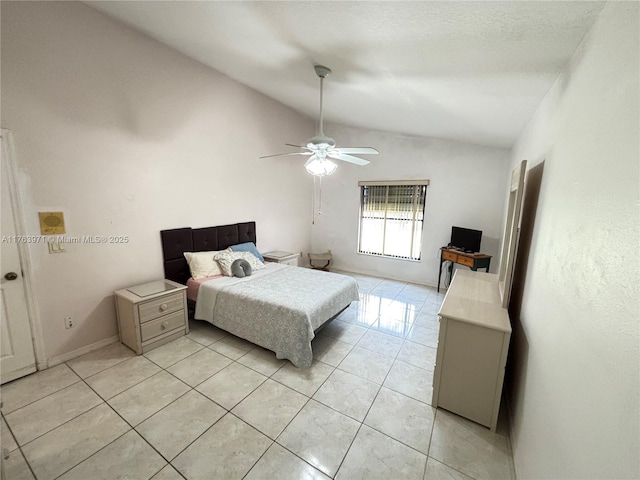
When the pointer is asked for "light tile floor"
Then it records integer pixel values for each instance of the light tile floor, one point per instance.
(213, 406)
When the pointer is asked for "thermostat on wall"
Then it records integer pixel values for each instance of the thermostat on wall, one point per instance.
(51, 223)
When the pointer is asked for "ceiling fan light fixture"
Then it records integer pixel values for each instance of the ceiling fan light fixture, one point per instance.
(320, 167)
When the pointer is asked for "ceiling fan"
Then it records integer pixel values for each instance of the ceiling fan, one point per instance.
(321, 148)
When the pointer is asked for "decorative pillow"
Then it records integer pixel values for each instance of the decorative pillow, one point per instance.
(202, 264)
(226, 258)
(247, 247)
(240, 268)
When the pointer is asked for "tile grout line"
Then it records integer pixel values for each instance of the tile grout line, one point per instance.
(361, 423)
(17, 449)
(169, 462)
(79, 378)
(275, 441)
(227, 412)
(63, 423)
(133, 428)
(309, 398)
(368, 410)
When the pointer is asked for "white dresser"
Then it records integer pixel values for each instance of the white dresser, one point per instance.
(472, 348)
(151, 314)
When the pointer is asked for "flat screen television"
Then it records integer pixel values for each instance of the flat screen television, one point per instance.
(466, 239)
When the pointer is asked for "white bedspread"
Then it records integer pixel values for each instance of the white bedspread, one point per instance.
(277, 308)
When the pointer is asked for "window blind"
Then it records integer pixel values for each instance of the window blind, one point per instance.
(392, 218)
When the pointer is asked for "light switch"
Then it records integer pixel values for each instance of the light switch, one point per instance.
(56, 247)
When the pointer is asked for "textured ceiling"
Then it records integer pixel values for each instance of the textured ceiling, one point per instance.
(472, 71)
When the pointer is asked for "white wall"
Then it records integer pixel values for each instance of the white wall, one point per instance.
(574, 379)
(128, 137)
(467, 189)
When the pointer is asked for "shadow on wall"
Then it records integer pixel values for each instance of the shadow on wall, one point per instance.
(518, 353)
(491, 246)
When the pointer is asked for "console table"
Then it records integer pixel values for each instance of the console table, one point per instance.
(471, 260)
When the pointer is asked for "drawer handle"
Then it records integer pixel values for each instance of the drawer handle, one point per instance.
(164, 306)
(164, 325)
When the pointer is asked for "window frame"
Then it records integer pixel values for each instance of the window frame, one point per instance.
(416, 205)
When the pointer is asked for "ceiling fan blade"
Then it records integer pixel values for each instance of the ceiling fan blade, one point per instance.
(360, 150)
(286, 154)
(297, 146)
(347, 158)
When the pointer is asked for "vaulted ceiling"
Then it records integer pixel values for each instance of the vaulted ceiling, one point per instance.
(473, 71)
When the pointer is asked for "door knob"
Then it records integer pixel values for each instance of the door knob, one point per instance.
(11, 276)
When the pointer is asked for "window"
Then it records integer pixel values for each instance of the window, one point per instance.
(391, 218)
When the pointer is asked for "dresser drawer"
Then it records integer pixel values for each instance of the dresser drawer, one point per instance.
(466, 261)
(449, 256)
(153, 309)
(161, 325)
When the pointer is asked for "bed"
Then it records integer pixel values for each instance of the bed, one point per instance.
(279, 307)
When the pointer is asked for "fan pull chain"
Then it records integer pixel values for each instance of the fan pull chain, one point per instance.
(313, 202)
(317, 198)
(320, 196)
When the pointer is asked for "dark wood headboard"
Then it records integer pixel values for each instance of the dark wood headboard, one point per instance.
(179, 240)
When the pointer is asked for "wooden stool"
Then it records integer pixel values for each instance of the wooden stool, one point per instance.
(320, 261)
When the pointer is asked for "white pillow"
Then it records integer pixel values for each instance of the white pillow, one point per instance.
(227, 257)
(202, 264)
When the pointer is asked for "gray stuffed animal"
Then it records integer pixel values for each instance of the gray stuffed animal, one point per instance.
(240, 268)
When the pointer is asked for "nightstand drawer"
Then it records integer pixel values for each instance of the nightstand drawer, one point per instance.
(161, 325)
(150, 310)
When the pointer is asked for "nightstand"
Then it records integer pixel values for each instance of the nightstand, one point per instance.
(287, 258)
(151, 314)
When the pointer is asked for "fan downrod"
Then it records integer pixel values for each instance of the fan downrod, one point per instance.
(322, 71)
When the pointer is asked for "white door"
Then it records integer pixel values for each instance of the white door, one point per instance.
(16, 346)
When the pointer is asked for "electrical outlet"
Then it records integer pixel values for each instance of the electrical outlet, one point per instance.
(69, 322)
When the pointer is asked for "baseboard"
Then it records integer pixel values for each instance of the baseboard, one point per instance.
(339, 269)
(52, 362)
